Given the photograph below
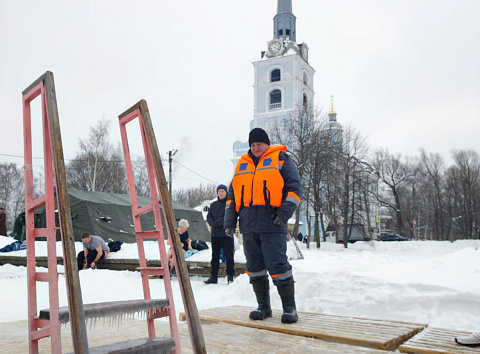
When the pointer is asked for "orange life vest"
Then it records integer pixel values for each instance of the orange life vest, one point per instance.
(261, 185)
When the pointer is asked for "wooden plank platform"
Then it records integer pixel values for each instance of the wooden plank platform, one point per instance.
(436, 340)
(221, 338)
(194, 267)
(380, 334)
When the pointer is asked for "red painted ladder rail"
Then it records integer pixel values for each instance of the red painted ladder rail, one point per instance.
(48, 323)
(55, 187)
(160, 196)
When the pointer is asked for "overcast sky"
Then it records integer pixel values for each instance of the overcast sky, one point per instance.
(405, 73)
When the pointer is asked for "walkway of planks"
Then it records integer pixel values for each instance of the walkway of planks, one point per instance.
(228, 330)
(380, 334)
(436, 341)
(221, 338)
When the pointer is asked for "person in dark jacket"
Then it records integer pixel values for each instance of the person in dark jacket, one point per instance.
(264, 193)
(220, 240)
(17, 232)
(3, 222)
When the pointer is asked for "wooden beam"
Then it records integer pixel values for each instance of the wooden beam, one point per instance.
(194, 267)
(195, 327)
(79, 332)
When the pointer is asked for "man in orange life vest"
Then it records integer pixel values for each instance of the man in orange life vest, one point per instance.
(264, 193)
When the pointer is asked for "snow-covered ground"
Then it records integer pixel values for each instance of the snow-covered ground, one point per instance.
(431, 282)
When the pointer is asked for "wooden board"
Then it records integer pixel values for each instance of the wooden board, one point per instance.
(194, 267)
(219, 337)
(436, 340)
(381, 334)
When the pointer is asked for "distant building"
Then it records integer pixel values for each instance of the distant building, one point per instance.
(334, 129)
(283, 84)
(283, 78)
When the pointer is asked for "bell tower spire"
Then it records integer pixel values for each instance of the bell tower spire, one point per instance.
(284, 21)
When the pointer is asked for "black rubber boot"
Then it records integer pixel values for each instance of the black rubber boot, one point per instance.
(262, 292)
(211, 280)
(230, 279)
(287, 294)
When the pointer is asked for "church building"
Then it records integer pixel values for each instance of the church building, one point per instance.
(283, 78)
(283, 83)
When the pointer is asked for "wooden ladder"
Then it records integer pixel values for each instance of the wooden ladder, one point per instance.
(163, 213)
(55, 186)
(48, 322)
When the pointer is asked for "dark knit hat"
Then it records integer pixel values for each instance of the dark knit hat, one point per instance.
(258, 135)
(222, 186)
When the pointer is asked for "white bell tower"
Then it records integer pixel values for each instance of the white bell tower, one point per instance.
(283, 78)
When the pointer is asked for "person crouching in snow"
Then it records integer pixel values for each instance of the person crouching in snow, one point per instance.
(264, 194)
(94, 249)
(184, 238)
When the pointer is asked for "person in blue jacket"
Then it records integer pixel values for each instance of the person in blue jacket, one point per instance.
(264, 193)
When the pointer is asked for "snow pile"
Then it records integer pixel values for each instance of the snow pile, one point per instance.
(418, 281)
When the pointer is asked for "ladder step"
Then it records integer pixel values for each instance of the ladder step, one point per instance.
(106, 309)
(40, 232)
(42, 276)
(35, 204)
(143, 210)
(137, 346)
(41, 333)
(151, 270)
(148, 235)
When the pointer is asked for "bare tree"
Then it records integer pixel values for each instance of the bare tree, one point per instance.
(463, 180)
(354, 149)
(415, 197)
(297, 133)
(194, 196)
(100, 165)
(395, 172)
(12, 196)
(318, 189)
(140, 173)
(434, 167)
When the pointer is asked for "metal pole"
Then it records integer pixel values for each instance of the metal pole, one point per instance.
(171, 154)
(170, 172)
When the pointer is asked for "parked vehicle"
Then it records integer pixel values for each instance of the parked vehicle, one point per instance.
(392, 237)
(331, 236)
(357, 233)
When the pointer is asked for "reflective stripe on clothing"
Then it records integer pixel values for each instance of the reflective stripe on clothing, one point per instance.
(282, 276)
(256, 274)
(292, 197)
(266, 251)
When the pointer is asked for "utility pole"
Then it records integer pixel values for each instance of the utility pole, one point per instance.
(171, 154)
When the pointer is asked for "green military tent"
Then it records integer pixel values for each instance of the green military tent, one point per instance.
(109, 215)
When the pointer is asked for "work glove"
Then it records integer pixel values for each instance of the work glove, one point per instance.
(279, 222)
(230, 231)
